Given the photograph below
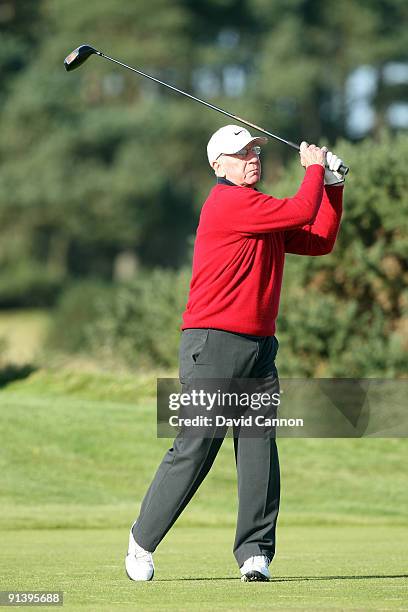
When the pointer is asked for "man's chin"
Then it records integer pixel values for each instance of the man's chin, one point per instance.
(253, 178)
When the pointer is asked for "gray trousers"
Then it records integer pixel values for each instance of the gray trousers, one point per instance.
(213, 353)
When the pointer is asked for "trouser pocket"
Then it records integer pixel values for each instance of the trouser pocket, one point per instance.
(192, 351)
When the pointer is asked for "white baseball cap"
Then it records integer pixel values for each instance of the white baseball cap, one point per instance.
(231, 139)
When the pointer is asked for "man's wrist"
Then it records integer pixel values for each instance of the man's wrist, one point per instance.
(316, 164)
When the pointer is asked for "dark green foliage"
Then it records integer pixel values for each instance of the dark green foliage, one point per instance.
(136, 324)
(28, 285)
(76, 312)
(141, 326)
(22, 24)
(100, 161)
(346, 314)
(12, 372)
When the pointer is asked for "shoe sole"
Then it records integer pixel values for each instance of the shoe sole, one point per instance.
(133, 580)
(254, 576)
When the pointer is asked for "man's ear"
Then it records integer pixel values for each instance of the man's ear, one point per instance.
(218, 169)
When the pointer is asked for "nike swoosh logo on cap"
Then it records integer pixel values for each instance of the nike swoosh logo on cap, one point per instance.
(236, 133)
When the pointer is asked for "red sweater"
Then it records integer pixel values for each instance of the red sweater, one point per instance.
(240, 247)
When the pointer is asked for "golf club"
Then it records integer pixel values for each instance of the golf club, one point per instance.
(81, 54)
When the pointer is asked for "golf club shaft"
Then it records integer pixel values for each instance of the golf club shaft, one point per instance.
(343, 169)
(212, 106)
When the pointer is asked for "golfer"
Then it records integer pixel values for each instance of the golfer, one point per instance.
(229, 332)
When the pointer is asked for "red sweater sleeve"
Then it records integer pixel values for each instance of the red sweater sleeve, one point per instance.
(248, 211)
(318, 238)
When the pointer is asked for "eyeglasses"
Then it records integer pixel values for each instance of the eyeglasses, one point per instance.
(244, 152)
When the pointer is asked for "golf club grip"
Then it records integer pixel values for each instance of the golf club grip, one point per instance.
(343, 170)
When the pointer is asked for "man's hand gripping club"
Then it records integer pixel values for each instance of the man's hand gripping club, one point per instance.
(311, 154)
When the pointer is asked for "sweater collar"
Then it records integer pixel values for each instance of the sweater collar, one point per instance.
(224, 181)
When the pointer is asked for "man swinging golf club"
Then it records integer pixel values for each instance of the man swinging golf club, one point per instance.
(228, 331)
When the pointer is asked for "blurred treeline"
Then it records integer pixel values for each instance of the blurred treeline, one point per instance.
(103, 173)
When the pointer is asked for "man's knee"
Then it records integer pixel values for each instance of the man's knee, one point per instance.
(196, 450)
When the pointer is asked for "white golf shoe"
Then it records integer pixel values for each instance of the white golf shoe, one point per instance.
(139, 562)
(255, 569)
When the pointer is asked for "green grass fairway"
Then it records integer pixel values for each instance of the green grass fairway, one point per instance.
(73, 470)
(317, 568)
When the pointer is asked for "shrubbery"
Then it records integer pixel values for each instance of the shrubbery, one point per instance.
(136, 324)
(77, 310)
(345, 314)
(28, 285)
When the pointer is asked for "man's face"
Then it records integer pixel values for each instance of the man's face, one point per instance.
(241, 169)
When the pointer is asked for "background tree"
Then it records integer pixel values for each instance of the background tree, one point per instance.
(99, 162)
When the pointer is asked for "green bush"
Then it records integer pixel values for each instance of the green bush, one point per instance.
(136, 324)
(75, 314)
(321, 335)
(346, 314)
(28, 285)
(141, 325)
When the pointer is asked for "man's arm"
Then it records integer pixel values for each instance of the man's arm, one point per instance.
(249, 212)
(319, 237)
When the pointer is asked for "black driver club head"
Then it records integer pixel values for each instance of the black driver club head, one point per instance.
(78, 56)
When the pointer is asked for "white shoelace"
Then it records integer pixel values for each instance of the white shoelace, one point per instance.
(143, 554)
